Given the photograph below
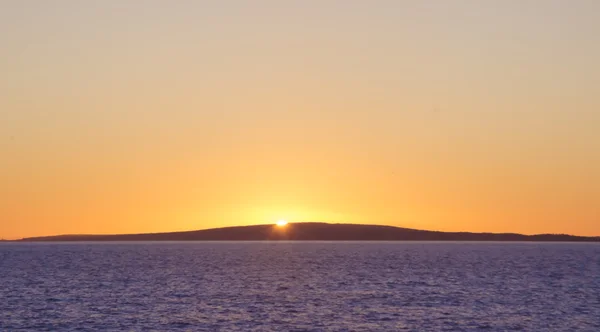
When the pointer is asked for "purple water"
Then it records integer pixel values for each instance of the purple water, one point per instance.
(312, 286)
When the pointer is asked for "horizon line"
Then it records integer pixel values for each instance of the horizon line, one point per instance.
(292, 223)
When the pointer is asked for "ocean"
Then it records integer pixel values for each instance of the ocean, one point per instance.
(299, 286)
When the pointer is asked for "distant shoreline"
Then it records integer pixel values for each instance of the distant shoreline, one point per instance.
(315, 232)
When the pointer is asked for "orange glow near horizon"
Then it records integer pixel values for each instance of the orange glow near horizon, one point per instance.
(136, 117)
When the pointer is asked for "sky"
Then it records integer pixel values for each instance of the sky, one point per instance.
(149, 116)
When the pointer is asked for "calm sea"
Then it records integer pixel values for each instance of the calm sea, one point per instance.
(310, 286)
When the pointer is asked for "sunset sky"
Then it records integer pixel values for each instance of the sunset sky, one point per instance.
(150, 116)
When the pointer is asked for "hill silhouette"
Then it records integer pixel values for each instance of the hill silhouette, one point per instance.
(318, 232)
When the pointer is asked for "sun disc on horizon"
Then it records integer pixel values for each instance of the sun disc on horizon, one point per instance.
(281, 223)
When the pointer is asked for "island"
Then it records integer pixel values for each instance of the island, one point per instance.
(313, 231)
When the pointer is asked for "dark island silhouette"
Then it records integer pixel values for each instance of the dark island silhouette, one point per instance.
(318, 232)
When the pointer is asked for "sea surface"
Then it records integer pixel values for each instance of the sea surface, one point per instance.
(302, 286)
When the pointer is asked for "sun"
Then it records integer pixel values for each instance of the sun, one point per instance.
(281, 223)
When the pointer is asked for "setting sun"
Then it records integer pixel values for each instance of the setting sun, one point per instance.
(281, 223)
